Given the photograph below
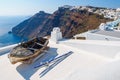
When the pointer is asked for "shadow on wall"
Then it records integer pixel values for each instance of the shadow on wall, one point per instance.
(27, 70)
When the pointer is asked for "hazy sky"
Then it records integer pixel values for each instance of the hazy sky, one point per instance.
(29, 7)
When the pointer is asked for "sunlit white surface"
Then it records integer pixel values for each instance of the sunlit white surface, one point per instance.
(91, 60)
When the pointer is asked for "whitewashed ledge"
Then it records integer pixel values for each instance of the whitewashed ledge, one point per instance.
(7, 48)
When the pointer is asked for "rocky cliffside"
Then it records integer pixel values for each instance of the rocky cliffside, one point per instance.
(71, 22)
(29, 27)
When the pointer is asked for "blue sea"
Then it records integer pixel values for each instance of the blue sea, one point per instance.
(6, 24)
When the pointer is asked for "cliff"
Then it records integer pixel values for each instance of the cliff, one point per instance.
(71, 22)
(29, 26)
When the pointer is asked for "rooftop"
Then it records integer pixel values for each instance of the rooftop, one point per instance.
(91, 60)
(109, 33)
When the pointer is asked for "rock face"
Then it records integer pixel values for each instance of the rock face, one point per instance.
(30, 26)
(71, 22)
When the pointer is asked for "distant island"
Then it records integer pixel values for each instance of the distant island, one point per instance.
(9, 32)
(71, 19)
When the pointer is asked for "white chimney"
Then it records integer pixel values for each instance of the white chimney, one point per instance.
(56, 35)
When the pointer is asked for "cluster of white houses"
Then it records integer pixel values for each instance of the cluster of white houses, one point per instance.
(111, 26)
(107, 12)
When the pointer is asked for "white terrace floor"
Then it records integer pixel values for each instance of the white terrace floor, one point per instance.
(91, 60)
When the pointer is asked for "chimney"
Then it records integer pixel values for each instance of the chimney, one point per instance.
(56, 35)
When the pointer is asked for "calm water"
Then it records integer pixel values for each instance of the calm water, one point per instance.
(6, 24)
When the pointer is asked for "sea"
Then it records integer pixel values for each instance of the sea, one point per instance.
(6, 25)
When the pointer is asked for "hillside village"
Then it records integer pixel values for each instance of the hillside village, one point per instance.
(107, 12)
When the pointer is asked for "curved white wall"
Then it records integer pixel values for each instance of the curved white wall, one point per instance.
(7, 48)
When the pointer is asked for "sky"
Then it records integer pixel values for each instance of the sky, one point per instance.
(30, 7)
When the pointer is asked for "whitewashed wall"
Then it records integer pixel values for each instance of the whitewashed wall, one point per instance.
(7, 48)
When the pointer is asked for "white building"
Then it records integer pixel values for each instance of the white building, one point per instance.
(118, 9)
(102, 26)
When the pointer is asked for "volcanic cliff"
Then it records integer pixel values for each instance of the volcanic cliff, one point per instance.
(71, 22)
